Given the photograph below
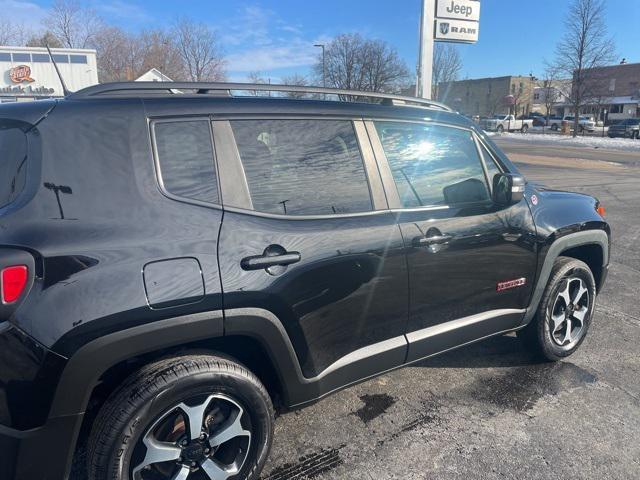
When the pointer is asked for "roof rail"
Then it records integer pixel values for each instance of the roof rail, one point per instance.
(221, 88)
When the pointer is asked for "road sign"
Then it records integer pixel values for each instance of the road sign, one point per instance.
(448, 30)
(459, 9)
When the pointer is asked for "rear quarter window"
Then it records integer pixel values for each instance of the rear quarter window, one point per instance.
(13, 164)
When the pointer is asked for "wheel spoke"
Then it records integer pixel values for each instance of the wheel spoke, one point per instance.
(157, 452)
(565, 294)
(232, 429)
(182, 474)
(580, 314)
(216, 472)
(558, 321)
(579, 294)
(567, 334)
(195, 417)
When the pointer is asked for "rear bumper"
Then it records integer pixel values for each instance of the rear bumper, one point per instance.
(43, 453)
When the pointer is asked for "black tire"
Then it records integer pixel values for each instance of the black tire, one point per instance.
(500, 129)
(538, 336)
(147, 395)
(524, 128)
(554, 127)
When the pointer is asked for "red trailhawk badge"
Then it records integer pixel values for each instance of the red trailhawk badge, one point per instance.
(21, 73)
(509, 284)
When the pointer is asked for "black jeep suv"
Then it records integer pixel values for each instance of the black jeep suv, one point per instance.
(175, 260)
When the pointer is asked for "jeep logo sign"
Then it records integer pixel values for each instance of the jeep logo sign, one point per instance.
(459, 9)
(456, 31)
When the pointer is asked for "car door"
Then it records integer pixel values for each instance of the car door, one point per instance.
(471, 262)
(307, 235)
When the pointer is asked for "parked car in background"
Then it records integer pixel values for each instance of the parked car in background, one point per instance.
(554, 122)
(629, 128)
(584, 123)
(539, 121)
(507, 123)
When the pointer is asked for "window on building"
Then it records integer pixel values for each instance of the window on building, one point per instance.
(536, 96)
(40, 57)
(433, 165)
(303, 167)
(21, 57)
(78, 58)
(616, 109)
(5, 57)
(60, 58)
(185, 156)
(612, 85)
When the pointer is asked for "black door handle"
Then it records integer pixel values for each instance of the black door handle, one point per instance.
(434, 239)
(273, 255)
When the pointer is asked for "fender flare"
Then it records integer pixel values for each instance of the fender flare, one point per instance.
(587, 237)
(90, 362)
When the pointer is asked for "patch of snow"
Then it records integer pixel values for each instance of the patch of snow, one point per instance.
(625, 144)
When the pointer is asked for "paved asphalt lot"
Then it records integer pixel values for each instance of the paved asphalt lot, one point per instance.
(488, 411)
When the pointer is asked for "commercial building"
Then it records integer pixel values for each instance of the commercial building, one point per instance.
(551, 94)
(490, 96)
(27, 73)
(613, 93)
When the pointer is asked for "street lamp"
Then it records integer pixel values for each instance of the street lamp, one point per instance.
(324, 71)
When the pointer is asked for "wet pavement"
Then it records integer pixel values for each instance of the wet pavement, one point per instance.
(489, 410)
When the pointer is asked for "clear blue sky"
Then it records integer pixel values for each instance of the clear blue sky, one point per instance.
(276, 37)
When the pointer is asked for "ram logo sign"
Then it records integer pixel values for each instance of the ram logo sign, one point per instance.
(456, 31)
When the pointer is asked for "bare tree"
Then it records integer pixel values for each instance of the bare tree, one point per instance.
(47, 38)
(355, 63)
(160, 50)
(295, 80)
(585, 46)
(118, 55)
(7, 31)
(199, 49)
(446, 66)
(74, 25)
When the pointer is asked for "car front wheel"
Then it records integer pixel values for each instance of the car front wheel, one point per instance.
(564, 314)
(188, 417)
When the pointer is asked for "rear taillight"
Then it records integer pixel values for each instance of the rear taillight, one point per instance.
(13, 281)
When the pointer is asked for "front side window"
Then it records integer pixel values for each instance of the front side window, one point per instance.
(433, 165)
(185, 157)
(302, 167)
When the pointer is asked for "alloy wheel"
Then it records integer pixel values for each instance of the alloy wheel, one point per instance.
(202, 438)
(569, 313)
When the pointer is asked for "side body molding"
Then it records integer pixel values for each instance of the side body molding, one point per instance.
(267, 329)
(587, 237)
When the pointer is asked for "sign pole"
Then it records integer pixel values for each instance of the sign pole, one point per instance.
(425, 65)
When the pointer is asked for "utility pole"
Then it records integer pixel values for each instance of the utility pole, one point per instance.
(425, 64)
(324, 66)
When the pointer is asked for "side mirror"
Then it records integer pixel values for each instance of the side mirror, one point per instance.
(508, 188)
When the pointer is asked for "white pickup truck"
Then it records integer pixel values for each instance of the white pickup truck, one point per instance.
(506, 123)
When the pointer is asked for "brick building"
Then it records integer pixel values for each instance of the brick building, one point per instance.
(489, 96)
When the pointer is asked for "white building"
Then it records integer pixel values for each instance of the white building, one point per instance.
(153, 75)
(27, 73)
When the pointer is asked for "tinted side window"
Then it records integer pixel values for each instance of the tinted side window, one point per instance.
(13, 164)
(185, 155)
(302, 167)
(433, 165)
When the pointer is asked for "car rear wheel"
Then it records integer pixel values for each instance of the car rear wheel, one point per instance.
(524, 128)
(500, 129)
(564, 314)
(185, 418)
(554, 127)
